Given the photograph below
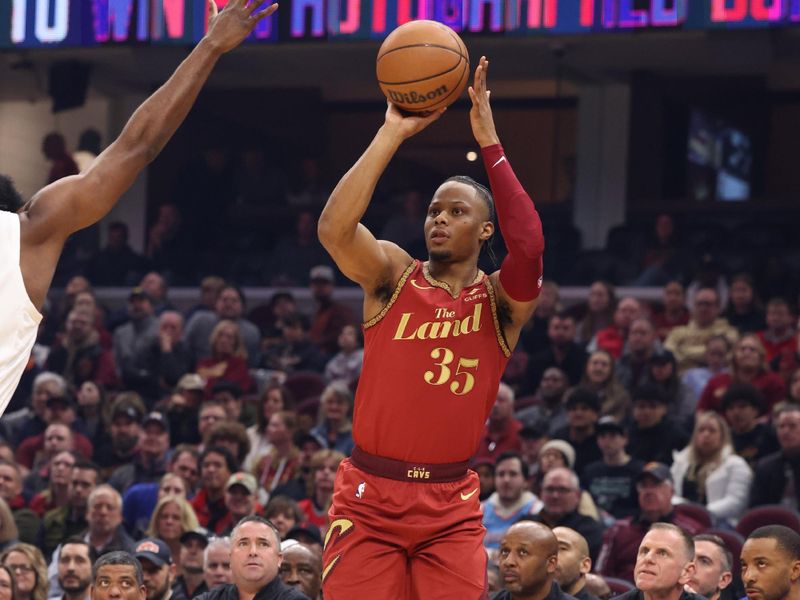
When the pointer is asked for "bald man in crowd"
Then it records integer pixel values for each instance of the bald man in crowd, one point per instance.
(528, 560)
(771, 564)
(574, 563)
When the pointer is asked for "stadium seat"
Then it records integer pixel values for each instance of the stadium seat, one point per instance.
(305, 384)
(697, 512)
(618, 586)
(772, 514)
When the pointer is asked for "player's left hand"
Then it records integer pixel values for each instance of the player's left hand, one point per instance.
(480, 115)
(229, 28)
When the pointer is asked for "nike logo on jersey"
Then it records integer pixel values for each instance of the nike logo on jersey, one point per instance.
(470, 495)
(421, 287)
(501, 159)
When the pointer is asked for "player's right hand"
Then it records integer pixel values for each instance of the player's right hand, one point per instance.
(407, 124)
(228, 28)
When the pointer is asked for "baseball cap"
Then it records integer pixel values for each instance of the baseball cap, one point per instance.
(126, 410)
(305, 533)
(62, 400)
(583, 397)
(321, 273)
(532, 432)
(564, 447)
(191, 381)
(246, 480)
(139, 292)
(656, 470)
(662, 357)
(609, 424)
(156, 417)
(154, 550)
(200, 533)
(650, 391)
(223, 385)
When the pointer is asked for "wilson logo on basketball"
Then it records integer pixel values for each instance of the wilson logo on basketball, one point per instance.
(416, 97)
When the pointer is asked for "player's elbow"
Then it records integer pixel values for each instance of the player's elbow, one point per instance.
(330, 234)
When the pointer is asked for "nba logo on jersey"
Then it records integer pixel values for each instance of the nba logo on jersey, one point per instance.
(361, 487)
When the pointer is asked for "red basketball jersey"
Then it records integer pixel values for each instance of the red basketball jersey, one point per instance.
(432, 365)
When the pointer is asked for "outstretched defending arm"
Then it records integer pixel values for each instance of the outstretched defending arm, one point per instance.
(76, 202)
(355, 250)
(521, 271)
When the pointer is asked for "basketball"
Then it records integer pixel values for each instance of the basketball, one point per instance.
(422, 66)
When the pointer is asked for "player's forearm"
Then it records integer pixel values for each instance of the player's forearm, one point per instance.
(350, 198)
(520, 224)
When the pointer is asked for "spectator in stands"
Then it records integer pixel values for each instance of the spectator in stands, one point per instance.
(484, 468)
(155, 286)
(674, 312)
(167, 357)
(713, 563)
(8, 528)
(56, 493)
(54, 148)
(662, 257)
(169, 245)
(770, 557)
(748, 366)
(301, 569)
(535, 333)
(296, 253)
(776, 474)
(501, 433)
(284, 513)
(612, 480)
(216, 467)
(70, 519)
(709, 472)
(158, 569)
(87, 301)
(150, 462)
(279, 465)
(172, 517)
(30, 571)
(228, 360)
(210, 289)
(270, 316)
(323, 472)
(241, 499)
(600, 377)
(613, 338)
(229, 393)
(57, 437)
(231, 435)
(510, 501)
(330, 316)
(528, 559)
(743, 405)
(75, 569)
(80, 356)
(296, 352)
(688, 342)
(632, 367)
(217, 563)
(11, 491)
(346, 364)
(779, 338)
(125, 431)
(92, 401)
(663, 372)
(29, 421)
(8, 586)
(601, 303)
(183, 407)
(744, 311)
(561, 494)
(560, 351)
(105, 531)
(190, 581)
(653, 436)
(583, 411)
(88, 149)
(552, 454)
(139, 502)
(335, 429)
(274, 398)
(229, 306)
(117, 264)
(549, 413)
(574, 563)
(211, 412)
(621, 540)
(62, 433)
(132, 342)
(718, 350)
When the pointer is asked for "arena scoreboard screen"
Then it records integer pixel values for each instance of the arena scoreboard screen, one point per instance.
(87, 23)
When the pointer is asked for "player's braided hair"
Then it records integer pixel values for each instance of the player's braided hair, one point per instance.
(485, 195)
(10, 199)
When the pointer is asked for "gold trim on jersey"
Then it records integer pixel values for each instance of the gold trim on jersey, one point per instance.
(501, 337)
(374, 320)
(443, 285)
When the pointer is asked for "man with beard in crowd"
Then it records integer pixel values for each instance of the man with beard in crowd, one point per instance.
(574, 563)
(125, 430)
(75, 569)
(69, 520)
(190, 582)
(158, 569)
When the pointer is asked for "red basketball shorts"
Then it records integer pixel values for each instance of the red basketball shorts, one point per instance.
(398, 540)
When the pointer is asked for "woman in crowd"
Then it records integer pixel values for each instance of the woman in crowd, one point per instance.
(718, 351)
(664, 374)
(744, 311)
(279, 465)
(172, 517)
(30, 571)
(273, 399)
(8, 589)
(335, 430)
(57, 493)
(323, 472)
(599, 377)
(228, 360)
(747, 366)
(601, 303)
(709, 472)
(8, 527)
(91, 398)
(346, 364)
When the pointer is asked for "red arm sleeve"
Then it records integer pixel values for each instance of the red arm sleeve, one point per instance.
(521, 271)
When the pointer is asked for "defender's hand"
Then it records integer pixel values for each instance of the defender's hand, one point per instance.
(229, 28)
(480, 115)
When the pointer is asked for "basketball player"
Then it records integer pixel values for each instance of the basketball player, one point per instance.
(33, 235)
(405, 518)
